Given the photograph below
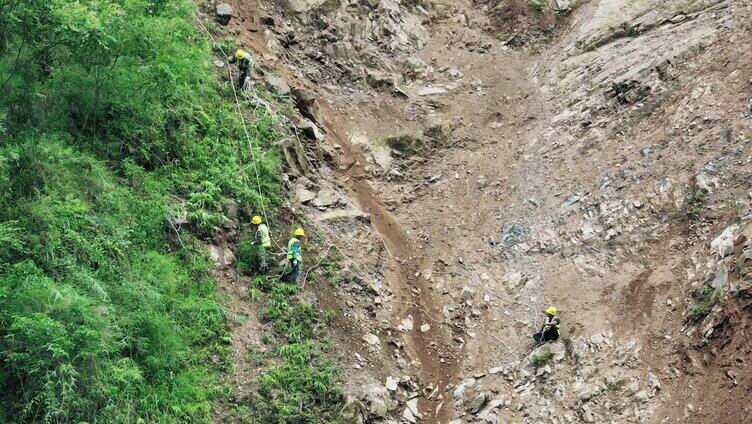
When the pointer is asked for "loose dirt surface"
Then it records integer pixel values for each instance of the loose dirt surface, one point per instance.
(556, 155)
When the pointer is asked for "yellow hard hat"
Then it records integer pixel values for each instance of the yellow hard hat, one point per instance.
(299, 232)
(551, 311)
(240, 54)
(256, 220)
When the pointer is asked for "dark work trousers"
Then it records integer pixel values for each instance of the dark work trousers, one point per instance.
(292, 274)
(263, 264)
(549, 335)
(244, 74)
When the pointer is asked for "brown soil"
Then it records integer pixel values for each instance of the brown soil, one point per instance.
(502, 166)
(435, 351)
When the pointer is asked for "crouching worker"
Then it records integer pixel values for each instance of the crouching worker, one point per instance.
(262, 241)
(244, 61)
(550, 330)
(294, 257)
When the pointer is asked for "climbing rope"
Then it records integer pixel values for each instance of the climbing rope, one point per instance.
(284, 120)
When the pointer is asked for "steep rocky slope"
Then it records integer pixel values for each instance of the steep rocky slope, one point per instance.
(478, 161)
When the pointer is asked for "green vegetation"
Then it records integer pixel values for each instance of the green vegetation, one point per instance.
(111, 126)
(537, 5)
(300, 386)
(704, 299)
(695, 201)
(248, 254)
(630, 30)
(541, 357)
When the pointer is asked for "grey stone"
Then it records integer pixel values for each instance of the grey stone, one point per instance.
(653, 383)
(558, 351)
(587, 414)
(391, 384)
(308, 105)
(223, 13)
(277, 84)
(432, 90)
(379, 80)
(723, 245)
(414, 67)
(228, 257)
(477, 403)
(580, 351)
(459, 391)
(588, 393)
(408, 416)
(412, 405)
(721, 279)
(439, 129)
(561, 6)
(307, 127)
(350, 413)
(706, 182)
(632, 388)
(371, 339)
(467, 293)
(378, 408)
(406, 324)
(299, 6)
(514, 234)
(627, 354)
(304, 195)
(512, 279)
(488, 413)
(344, 214)
(379, 400)
(214, 253)
(325, 198)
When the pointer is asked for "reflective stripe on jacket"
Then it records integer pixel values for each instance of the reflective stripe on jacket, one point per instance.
(293, 250)
(262, 236)
(244, 63)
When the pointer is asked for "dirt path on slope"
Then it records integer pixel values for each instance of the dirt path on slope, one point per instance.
(438, 357)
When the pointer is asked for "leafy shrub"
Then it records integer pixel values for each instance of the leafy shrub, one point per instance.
(248, 256)
(111, 120)
(301, 386)
(704, 299)
(695, 202)
(541, 357)
(537, 5)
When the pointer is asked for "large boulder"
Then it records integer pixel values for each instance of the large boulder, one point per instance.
(223, 13)
(308, 105)
(277, 84)
(351, 412)
(723, 245)
(378, 400)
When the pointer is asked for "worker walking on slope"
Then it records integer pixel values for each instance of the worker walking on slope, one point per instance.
(550, 330)
(244, 61)
(262, 241)
(294, 257)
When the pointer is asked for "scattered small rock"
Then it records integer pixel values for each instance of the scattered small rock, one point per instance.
(372, 339)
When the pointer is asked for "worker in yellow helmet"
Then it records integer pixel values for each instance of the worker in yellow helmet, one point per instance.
(550, 330)
(294, 257)
(262, 241)
(244, 61)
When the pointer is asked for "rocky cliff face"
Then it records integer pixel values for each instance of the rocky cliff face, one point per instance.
(482, 160)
